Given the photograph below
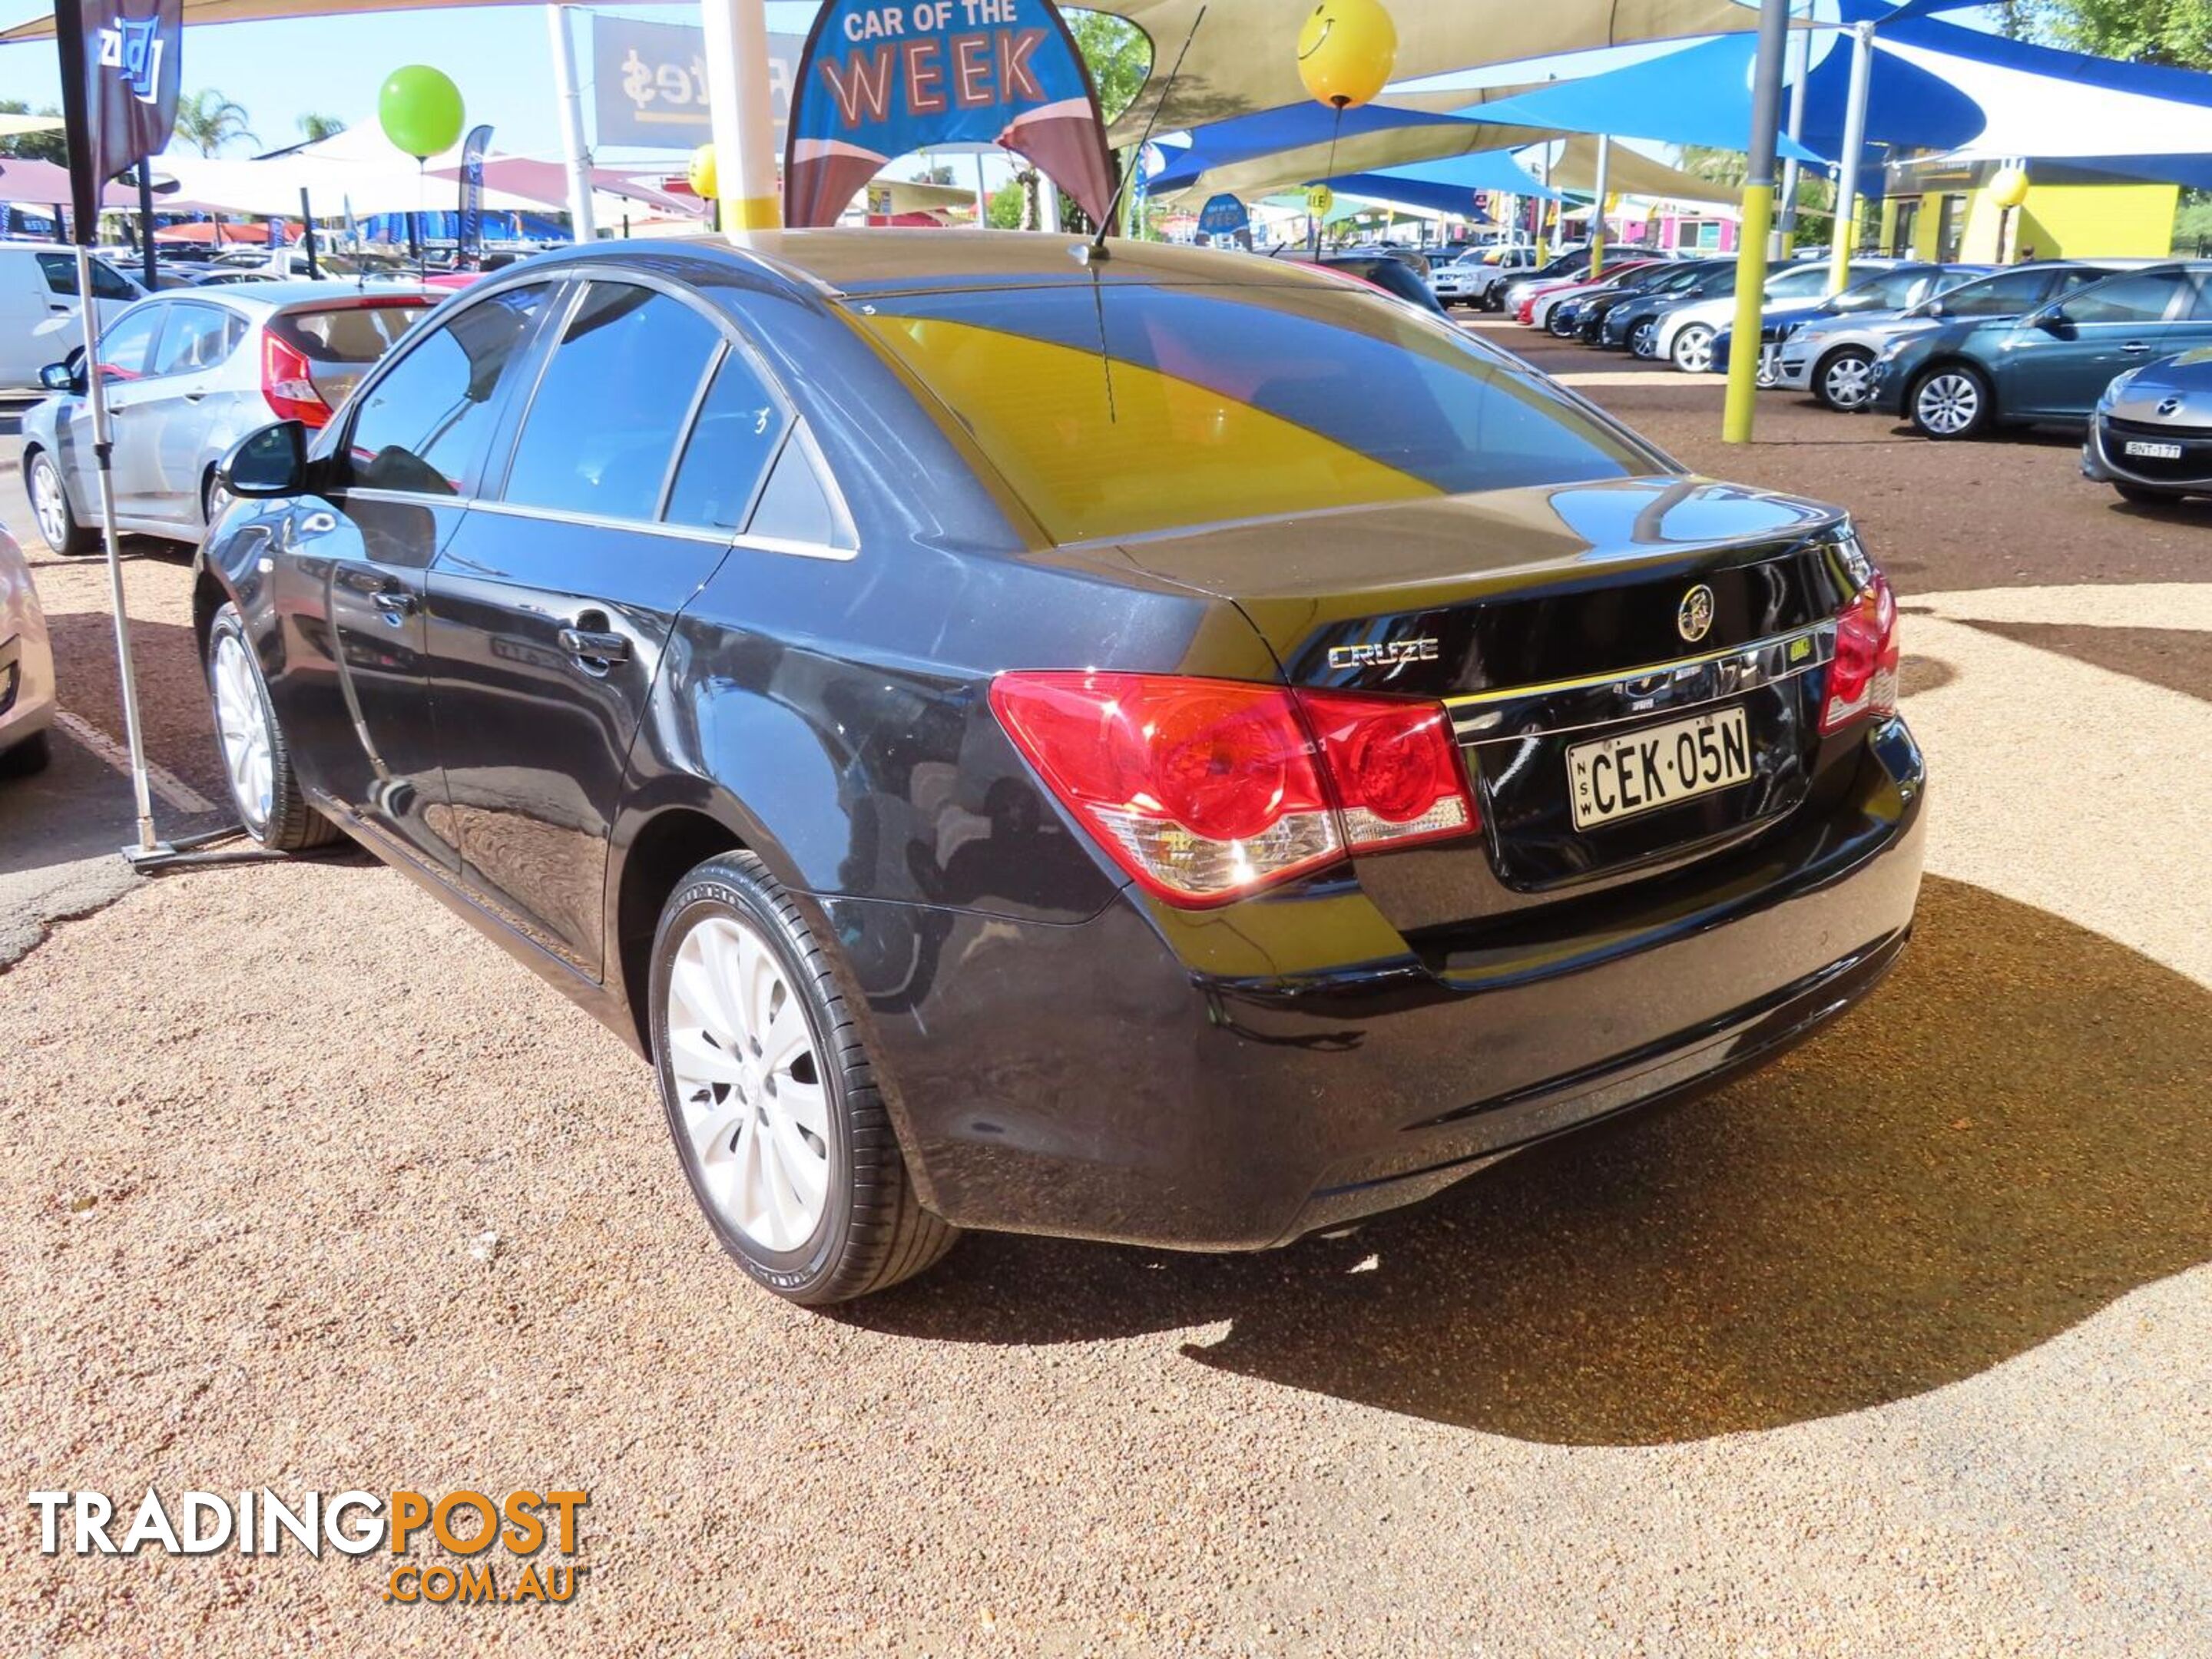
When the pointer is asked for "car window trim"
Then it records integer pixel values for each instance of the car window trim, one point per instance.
(686, 429)
(177, 307)
(797, 434)
(159, 309)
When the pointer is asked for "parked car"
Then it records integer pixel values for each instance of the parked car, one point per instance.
(190, 371)
(1585, 317)
(1543, 308)
(1687, 328)
(39, 307)
(1390, 274)
(27, 666)
(1885, 294)
(1833, 356)
(1564, 267)
(1633, 324)
(2150, 435)
(1468, 280)
(1163, 752)
(1965, 376)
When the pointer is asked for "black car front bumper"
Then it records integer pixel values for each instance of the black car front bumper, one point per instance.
(1194, 1079)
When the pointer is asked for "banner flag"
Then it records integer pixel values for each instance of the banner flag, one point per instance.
(121, 61)
(468, 238)
(879, 80)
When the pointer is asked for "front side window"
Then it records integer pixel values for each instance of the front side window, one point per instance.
(1801, 283)
(1124, 409)
(107, 283)
(424, 425)
(603, 425)
(2141, 298)
(197, 337)
(2006, 294)
(126, 349)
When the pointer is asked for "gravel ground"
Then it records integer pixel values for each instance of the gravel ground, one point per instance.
(1900, 1347)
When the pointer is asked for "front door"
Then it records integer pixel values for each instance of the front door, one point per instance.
(127, 356)
(551, 609)
(2059, 361)
(412, 455)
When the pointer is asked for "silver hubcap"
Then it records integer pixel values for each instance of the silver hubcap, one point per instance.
(47, 504)
(1845, 382)
(750, 1084)
(1948, 404)
(1693, 352)
(1640, 341)
(244, 727)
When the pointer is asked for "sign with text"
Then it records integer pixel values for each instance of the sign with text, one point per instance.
(880, 80)
(650, 82)
(121, 63)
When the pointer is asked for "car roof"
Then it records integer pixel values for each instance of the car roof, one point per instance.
(261, 297)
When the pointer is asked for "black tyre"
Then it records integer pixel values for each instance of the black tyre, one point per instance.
(1951, 400)
(50, 505)
(255, 762)
(770, 1098)
(1843, 379)
(32, 755)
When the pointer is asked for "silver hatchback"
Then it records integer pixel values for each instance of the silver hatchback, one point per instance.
(188, 374)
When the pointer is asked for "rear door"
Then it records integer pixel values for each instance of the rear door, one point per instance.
(554, 604)
(170, 416)
(2058, 361)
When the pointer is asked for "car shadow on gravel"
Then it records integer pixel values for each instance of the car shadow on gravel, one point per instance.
(2005, 1140)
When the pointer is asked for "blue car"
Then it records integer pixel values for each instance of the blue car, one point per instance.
(1892, 289)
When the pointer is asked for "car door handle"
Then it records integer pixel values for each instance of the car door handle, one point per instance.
(2135, 348)
(594, 650)
(395, 603)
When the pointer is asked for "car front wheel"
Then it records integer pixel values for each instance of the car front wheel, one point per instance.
(256, 761)
(1845, 379)
(770, 1098)
(1694, 350)
(1949, 402)
(1644, 339)
(50, 505)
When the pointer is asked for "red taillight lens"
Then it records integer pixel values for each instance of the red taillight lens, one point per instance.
(288, 385)
(1208, 790)
(1863, 679)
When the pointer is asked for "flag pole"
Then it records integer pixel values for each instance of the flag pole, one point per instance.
(103, 452)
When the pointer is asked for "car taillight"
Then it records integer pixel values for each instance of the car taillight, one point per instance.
(288, 385)
(1863, 679)
(1207, 790)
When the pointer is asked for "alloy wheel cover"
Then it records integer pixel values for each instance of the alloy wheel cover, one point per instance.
(1847, 380)
(47, 505)
(242, 724)
(1947, 402)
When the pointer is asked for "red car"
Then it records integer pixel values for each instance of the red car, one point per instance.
(1527, 310)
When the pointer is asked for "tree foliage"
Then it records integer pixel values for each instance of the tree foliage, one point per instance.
(316, 127)
(2175, 32)
(33, 146)
(1117, 54)
(207, 121)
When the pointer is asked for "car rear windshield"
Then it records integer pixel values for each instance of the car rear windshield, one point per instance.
(1119, 409)
(346, 334)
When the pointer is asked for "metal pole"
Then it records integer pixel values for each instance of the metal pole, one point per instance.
(982, 196)
(574, 153)
(307, 235)
(1758, 219)
(1597, 213)
(1847, 183)
(1801, 63)
(145, 225)
(1048, 204)
(102, 450)
(743, 106)
(1543, 203)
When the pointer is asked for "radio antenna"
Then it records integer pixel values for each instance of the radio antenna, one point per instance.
(1114, 206)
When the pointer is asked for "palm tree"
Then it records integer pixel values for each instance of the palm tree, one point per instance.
(319, 127)
(207, 121)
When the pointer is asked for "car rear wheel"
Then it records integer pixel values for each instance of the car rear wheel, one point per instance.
(1843, 379)
(50, 505)
(255, 762)
(1644, 338)
(1694, 350)
(770, 1098)
(1949, 402)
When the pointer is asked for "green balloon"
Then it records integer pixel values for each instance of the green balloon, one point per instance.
(420, 110)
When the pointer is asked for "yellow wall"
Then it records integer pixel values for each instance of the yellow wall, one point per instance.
(2059, 221)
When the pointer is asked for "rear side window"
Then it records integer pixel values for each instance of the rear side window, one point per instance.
(349, 334)
(424, 425)
(740, 423)
(1122, 409)
(603, 425)
(2004, 296)
(197, 338)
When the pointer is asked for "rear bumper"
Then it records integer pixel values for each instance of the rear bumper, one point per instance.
(1159, 1081)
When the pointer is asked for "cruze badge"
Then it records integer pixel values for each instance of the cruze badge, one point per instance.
(1388, 654)
(1693, 618)
(2169, 405)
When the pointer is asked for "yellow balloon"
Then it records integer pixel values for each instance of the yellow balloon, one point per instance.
(2008, 189)
(704, 184)
(1346, 50)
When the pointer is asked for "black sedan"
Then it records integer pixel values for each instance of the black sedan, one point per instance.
(1168, 747)
(2150, 435)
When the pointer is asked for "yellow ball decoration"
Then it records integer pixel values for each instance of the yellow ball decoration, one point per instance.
(1346, 50)
(2008, 189)
(704, 183)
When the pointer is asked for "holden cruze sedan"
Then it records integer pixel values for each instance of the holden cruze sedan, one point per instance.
(1162, 746)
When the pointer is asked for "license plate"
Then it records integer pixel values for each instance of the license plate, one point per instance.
(1659, 766)
(2152, 452)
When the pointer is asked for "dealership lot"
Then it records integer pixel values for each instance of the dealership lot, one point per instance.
(1898, 1347)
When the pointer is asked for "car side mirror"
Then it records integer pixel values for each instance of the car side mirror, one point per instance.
(271, 460)
(60, 377)
(1937, 309)
(2053, 319)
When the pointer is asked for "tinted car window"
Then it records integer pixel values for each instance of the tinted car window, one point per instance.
(197, 337)
(424, 425)
(1121, 409)
(107, 283)
(2140, 298)
(126, 348)
(2007, 294)
(350, 334)
(739, 425)
(603, 424)
(795, 507)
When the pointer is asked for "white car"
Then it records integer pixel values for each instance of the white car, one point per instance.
(38, 306)
(1686, 332)
(1471, 278)
(27, 666)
